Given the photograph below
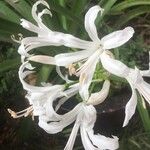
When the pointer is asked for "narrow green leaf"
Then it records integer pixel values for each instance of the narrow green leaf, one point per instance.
(62, 17)
(129, 3)
(143, 113)
(7, 13)
(79, 6)
(132, 14)
(5, 36)
(22, 7)
(68, 14)
(106, 8)
(9, 64)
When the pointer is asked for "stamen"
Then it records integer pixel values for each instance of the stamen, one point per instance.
(82, 78)
(72, 70)
(110, 54)
(24, 113)
(20, 37)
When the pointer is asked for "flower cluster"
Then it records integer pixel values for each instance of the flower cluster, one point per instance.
(41, 98)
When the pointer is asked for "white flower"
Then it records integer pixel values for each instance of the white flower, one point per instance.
(84, 115)
(135, 79)
(46, 37)
(91, 50)
(38, 95)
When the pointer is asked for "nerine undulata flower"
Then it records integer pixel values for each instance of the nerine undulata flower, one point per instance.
(41, 100)
(84, 116)
(91, 50)
(134, 78)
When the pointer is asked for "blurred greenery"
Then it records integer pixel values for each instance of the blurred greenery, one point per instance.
(68, 16)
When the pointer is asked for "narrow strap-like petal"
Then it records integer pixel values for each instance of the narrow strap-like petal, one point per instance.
(113, 66)
(68, 58)
(37, 17)
(43, 59)
(117, 38)
(138, 82)
(89, 139)
(90, 22)
(73, 135)
(30, 26)
(69, 93)
(144, 90)
(86, 72)
(103, 142)
(65, 120)
(130, 106)
(23, 74)
(99, 97)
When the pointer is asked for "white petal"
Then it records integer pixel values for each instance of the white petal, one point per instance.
(86, 72)
(37, 17)
(90, 22)
(130, 107)
(88, 122)
(103, 142)
(91, 141)
(43, 59)
(64, 77)
(144, 89)
(69, 40)
(69, 93)
(117, 38)
(30, 26)
(28, 87)
(86, 141)
(99, 97)
(136, 79)
(69, 58)
(65, 120)
(73, 135)
(113, 66)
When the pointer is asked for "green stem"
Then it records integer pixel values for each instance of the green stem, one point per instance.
(141, 106)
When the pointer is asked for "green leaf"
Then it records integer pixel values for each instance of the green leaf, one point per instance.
(8, 13)
(68, 14)
(129, 3)
(143, 113)
(9, 64)
(132, 14)
(62, 17)
(5, 36)
(106, 8)
(22, 7)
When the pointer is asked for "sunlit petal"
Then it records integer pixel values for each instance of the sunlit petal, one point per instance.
(117, 38)
(130, 107)
(28, 87)
(99, 97)
(73, 135)
(37, 17)
(113, 66)
(90, 22)
(64, 121)
(66, 59)
(44, 59)
(86, 72)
